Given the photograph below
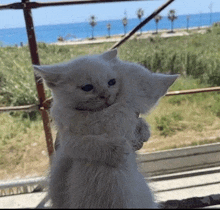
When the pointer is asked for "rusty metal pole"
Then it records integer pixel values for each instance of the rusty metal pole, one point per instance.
(39, 85)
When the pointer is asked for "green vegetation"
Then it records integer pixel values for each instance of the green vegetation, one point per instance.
(186, 112)
(196, 55)
(176, 122)
(192, 56)
(22, 146)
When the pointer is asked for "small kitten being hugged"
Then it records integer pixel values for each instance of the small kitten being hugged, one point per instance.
(96, 103)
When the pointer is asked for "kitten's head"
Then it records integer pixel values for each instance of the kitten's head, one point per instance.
(142, 88)
(87, 83)
(92, 83)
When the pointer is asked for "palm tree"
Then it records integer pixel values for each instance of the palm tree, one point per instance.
(109, 28)
(187, 19)
(92, 22)
(210, 7)
(157, 18)
(200, 18)
(172, 16)
(125, 22)
(140, 13)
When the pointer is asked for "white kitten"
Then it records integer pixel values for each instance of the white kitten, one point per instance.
(96, 101)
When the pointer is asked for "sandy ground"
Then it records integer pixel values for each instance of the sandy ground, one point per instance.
(144, 35)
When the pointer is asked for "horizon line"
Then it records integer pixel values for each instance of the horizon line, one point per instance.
(101, 20)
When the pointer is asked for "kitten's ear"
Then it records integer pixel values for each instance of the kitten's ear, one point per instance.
(162, 82)
(47, 72)
(109, 55)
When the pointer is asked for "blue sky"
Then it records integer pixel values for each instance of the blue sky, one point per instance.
(104, 11)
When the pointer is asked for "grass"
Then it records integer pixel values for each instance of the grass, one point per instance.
(188, 55)
(184, 120)
(177, 121)
(196, 55)
(23, 148)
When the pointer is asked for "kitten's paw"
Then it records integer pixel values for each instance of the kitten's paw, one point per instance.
(97, 148)
(105, 149)
(142, 134)
(117, 151)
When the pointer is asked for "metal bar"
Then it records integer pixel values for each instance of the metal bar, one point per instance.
(47, 102)
(11, 6)
(139, 26)
(38, 81)
(41, 205)
(27, 108)
(23, 182)
(34, 5)
(201, 90)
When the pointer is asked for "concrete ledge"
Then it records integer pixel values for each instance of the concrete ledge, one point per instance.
(30, 200)
(23, 182)
(174, 174)
(179, 160)
(186, 185)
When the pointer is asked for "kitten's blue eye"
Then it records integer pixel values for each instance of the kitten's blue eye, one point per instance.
(111, 82)
(87, 88)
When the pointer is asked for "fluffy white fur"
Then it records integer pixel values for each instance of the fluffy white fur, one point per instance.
(96, 103)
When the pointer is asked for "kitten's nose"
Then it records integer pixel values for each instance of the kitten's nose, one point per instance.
(104, 95)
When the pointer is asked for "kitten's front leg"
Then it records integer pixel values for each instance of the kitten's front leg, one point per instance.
(97, 149)
(142, 134)
(58, 186)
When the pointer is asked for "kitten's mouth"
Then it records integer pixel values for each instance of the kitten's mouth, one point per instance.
(95, 109)
(104, 106)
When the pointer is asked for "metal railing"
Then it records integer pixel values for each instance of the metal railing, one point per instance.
(24, 186)
(26, 6)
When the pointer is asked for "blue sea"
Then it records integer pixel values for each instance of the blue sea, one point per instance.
(71, 31)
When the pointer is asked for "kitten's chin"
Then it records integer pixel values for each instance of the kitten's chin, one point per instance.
(94, 109)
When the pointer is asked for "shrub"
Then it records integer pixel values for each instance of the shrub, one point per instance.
(169, 124)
